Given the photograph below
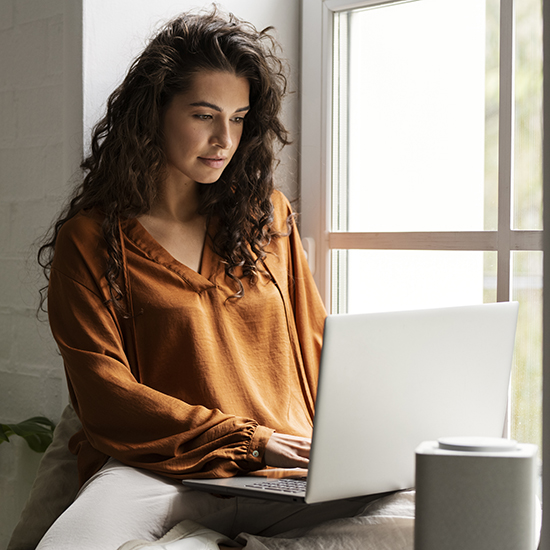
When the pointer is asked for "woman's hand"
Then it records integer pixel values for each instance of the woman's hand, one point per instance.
(287, 451)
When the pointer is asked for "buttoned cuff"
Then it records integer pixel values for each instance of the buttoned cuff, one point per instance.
(256, 449)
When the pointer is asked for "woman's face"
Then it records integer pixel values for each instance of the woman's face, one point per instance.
(202, 127)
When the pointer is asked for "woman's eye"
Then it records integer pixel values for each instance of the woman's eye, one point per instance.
(238, 120)
(204, 117)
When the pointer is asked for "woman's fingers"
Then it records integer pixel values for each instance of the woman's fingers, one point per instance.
(287, 451)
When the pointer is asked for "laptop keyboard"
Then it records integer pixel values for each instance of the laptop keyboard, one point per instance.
(293, 486)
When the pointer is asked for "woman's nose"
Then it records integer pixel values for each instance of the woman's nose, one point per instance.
(222, 135)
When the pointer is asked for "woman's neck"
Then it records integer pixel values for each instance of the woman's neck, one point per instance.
(176, 201)
(175, 223)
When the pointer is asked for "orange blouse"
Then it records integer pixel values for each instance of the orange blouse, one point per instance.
(191, 383)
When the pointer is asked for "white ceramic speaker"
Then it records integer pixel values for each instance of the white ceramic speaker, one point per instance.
(475, 494)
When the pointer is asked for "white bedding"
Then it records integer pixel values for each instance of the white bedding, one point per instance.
(385, 524)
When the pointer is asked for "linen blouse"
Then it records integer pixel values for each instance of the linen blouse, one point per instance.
(190, 382)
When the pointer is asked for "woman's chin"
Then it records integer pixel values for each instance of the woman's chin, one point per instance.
(208, 182)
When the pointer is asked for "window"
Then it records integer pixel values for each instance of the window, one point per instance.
(421, 163)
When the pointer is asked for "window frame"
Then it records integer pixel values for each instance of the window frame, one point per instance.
(316, 160)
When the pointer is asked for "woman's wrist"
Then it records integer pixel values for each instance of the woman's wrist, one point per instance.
(258, 443)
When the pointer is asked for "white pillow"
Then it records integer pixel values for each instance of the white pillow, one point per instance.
(54, 488)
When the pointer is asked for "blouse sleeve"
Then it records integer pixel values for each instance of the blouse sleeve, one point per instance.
(121, 417)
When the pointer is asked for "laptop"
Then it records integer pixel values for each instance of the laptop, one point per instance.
(388, 382)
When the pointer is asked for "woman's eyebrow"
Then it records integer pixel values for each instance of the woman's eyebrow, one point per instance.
(215, 107)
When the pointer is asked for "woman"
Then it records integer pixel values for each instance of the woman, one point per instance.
(180, 299)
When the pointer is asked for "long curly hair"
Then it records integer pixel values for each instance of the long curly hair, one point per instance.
(127, 159)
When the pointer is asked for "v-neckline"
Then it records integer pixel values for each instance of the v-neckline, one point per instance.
(139, 235)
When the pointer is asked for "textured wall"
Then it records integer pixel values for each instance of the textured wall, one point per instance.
(33, 167)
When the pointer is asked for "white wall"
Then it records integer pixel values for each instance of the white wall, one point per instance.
(43, 84)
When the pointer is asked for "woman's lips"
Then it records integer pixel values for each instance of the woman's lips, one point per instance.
(213, 162)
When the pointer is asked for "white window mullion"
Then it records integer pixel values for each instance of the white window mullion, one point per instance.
(505, 148)
(340, 117)
(340, 157)
(436, 240)
(465, 240)
(315, 136)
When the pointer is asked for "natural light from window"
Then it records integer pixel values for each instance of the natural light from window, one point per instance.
(417, 129)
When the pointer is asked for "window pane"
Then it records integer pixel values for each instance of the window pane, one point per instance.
(527, 205)
(527, 371)
(409, 124)
(390, 280)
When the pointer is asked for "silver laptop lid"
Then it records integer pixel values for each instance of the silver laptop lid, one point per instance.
(389, 381)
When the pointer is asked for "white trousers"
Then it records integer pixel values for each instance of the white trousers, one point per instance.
(122, 503)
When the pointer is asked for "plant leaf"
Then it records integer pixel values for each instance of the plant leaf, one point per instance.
(4, 433)
(37, 424)
(37, 432)
(38, 442)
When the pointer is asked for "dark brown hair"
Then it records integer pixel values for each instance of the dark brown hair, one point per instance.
(127, 160)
